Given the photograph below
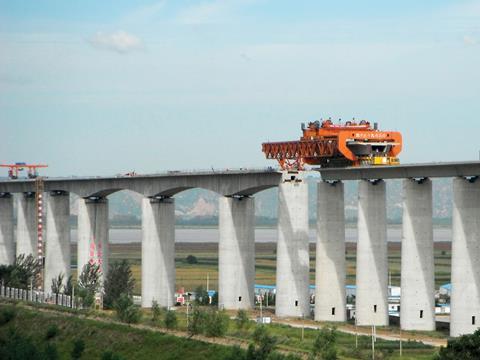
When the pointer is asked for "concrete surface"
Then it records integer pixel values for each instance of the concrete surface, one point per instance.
(292, 297)
(236, 253)
(7, 244)
(372, 261)
(465, 298)
(330, 297)
(57, 246)
(26, 225)
(417, 307)
(158, 252)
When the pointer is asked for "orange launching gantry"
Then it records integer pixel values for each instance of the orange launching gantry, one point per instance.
(337, 145)
(14, 169)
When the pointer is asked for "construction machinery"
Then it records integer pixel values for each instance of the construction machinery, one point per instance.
(15, 169)
(326, 144)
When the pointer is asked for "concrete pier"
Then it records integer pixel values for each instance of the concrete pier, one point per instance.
(236, 253)
(330, 297)
(292, 297)
(7, 245)
(465, 298)
(93, 233)
(26, 225)
(57, 247)
(372, 261)
(158, 252)
(417, 307)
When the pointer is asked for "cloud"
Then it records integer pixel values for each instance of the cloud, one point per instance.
(469, 40)
(119, 41)
(214, 11)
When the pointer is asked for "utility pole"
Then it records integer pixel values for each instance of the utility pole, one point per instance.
(303, 326)
(373, 342)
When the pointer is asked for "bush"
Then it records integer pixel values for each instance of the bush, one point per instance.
(324, 346)
(466, 347)
(201, 296)
(156, 311)
(196, 324)
(216, 324)
(89, 284)
(109, 355)
(170, 319)
(263, 345)
(242, 320)
(51, 352)
(52, 331)
(78, 348)
(7, 315)
(192, 259)
(126, 311)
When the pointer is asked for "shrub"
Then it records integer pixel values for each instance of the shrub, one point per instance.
(216, 324)
(242, 319)
(7, 315)
(170, 319)
(465, 347)
(89, 284)
(51, 352)
(126, 311)
(324, 346)
(78, 349)
(201, 296)
(52, 331)
(196, 324)
(156, 311)
(109, 355)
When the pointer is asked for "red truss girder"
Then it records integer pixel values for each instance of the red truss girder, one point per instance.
(292, 150)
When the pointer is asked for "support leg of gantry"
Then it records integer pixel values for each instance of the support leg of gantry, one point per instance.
(465, 298)
(417, 306)
(372, 261)
(236, 253)
(330, 273)
(158, 252)
(293, 265)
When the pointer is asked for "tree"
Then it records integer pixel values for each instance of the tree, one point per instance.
(466, 347)
(126, 310)
(170, 319)
(216, 324)
(119, 281)
(324, 346)
(89, 283)
(191, 260)
(57, 284)
(68, 288)
(22, 274)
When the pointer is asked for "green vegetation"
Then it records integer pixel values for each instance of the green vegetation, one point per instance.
(170, 320)
(88, 284)
(466, 347)
(119, 281)
(22, 274)
(127, 312)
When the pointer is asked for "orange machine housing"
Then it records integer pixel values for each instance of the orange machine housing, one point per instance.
(336, 145)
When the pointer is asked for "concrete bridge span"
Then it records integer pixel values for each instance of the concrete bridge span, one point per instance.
(236, 245)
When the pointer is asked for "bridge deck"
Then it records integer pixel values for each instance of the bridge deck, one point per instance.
(430, 170)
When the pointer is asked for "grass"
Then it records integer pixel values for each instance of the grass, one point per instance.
(133, 343)
(128, 342)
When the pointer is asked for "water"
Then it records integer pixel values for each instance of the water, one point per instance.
(262, 235)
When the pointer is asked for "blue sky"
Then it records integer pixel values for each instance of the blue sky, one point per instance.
(104, 87)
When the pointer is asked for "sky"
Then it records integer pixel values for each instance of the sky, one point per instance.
(105, 87)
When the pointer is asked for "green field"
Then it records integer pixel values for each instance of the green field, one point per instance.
(191, 276)
(150, 343)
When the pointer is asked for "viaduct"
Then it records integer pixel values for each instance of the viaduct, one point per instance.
(236, 244)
